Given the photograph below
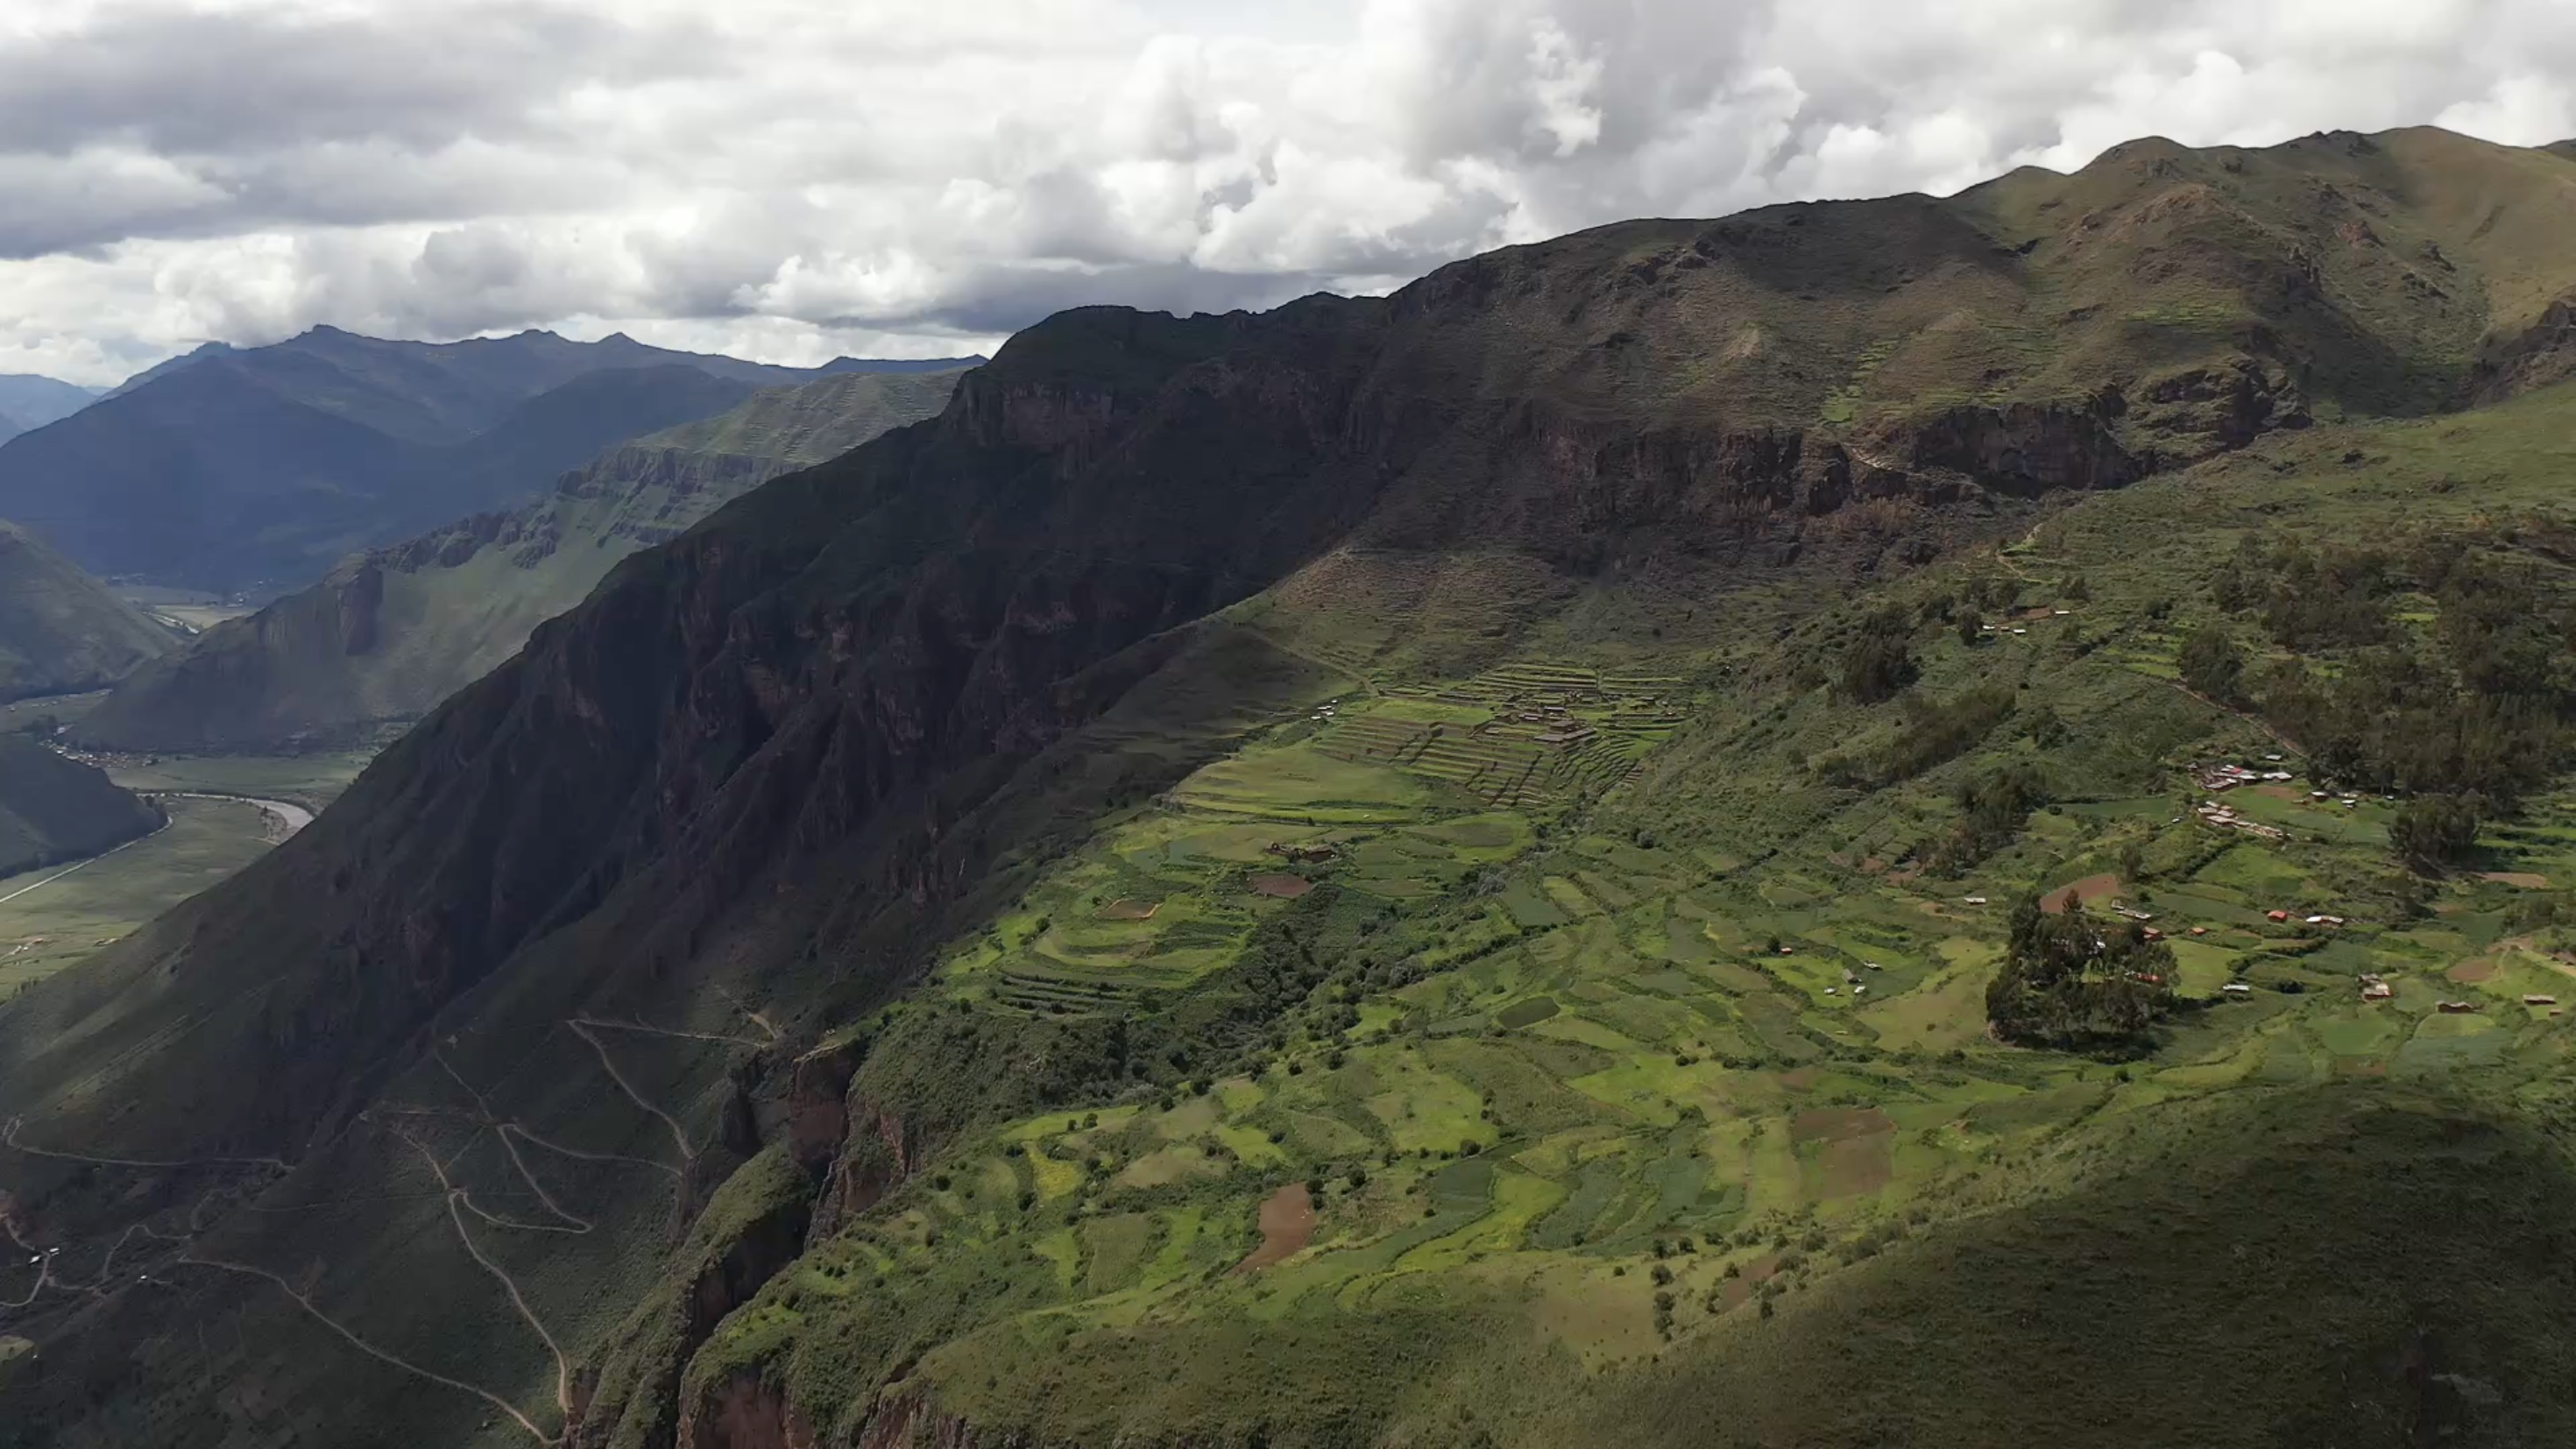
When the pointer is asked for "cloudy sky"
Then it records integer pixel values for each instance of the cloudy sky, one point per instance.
(791, 179)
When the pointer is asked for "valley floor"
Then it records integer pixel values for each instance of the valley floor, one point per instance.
(225, 812)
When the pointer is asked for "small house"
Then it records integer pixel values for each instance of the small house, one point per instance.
(2536, 999)
(2276, 915)
(2237, 988)
(2200, 930)
(2456, 1008)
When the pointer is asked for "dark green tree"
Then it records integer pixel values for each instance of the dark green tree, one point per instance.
(2211, 664)
(2435, 831)
(1879, 664)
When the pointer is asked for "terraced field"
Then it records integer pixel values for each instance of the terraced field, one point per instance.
(1665, 1098)
(1518, 735)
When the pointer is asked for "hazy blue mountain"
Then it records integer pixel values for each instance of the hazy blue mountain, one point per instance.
(28, 402)
(391, 632)
(258, 468)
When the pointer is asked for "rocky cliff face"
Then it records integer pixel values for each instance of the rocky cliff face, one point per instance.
(2532, 357)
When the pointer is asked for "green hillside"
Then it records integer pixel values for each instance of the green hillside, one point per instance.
(1928, 822)
(389, 634)
(53, 809)
(61, 631)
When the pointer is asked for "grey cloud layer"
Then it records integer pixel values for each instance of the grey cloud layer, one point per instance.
(177, 82)
(806, 172)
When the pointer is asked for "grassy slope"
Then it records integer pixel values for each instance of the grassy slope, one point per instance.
(1798, 1124)
(60, 630)
(1960, 1216)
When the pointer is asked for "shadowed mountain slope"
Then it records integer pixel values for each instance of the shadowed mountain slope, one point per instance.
(389, 634)
(1243, 1047)
(61, 631)
(234, 468)
(54, 809)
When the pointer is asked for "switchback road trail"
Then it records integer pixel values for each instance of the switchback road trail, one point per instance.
(582, 1028)
(458, 1203)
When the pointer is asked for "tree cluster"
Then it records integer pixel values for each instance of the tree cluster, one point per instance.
(2072, 980)
(1993, 805)
(2481, 707)
(2433, 832)
(1880, 663)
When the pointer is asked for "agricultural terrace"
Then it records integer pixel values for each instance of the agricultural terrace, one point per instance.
(1627, 1029)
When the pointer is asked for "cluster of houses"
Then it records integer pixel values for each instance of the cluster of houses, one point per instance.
(2221, 817)
(2217, 778)
(2376, 988)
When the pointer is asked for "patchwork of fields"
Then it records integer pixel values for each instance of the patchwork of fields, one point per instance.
(1657, 1085)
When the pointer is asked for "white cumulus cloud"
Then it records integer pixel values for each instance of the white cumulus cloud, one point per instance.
(796, 178)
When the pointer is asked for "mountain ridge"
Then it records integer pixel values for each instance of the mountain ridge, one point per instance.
(774, 773)
(262, 466)
(388, 634)
(28, 401)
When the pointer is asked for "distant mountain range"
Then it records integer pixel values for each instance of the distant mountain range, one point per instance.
(390, 633)
(61, 631)
(258, 468)
(28, 402)
(55, 809)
